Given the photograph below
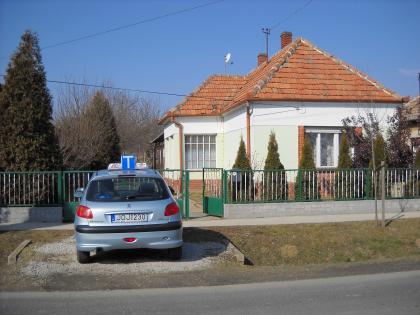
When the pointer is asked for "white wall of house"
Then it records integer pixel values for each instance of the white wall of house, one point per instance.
(321, 114)
(281, 117)
(287, 139)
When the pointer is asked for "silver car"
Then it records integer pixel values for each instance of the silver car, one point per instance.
(122, 209)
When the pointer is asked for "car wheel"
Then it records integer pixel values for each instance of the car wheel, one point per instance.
(175, 253)
(83, 257)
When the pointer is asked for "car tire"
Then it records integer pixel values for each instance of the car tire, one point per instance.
(83, 257)
(175, 253)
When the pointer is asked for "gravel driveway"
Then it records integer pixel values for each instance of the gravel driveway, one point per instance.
(60, 257)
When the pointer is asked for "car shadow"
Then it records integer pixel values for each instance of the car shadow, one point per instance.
(198, 244)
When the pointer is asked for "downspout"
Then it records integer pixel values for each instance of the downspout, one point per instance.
(248, 131)
(181, 146)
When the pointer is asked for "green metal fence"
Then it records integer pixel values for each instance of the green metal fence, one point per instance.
(221, 186)
(179, 181)
(39, 189)
(30, 188)
(253, 186)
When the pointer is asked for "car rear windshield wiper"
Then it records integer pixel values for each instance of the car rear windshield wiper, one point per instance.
(139, 195)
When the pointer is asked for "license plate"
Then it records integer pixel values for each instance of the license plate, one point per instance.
(128, 217)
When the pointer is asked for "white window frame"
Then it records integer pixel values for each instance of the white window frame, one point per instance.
(203, 154)
(336, 144)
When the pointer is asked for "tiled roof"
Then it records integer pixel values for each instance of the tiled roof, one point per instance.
(210, 98)
(299, 72)
(412, 109)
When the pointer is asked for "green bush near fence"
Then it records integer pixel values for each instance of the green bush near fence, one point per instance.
(275, 181)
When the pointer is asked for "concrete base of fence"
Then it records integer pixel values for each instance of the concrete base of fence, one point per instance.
(261, 210)
(31, 214)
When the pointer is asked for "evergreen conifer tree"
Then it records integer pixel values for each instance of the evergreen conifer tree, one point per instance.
(242, 162)
(275, 182)
(307, 160)
(379, 150)
(344, 159)
(27, 136)
(272, 162)
(344, 179)
(308, 183)
(241, 186)
(100, 118)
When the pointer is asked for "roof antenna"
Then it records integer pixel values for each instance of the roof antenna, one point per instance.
(228, 61)
(266, 31)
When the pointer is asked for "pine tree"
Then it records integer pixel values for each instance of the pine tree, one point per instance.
(101, 120)
(307, 159)
(398, 151)
(344, 159)
(240, 189)
(27, 136)
(275, 182)
(379, 150)
(272, 162)
(344, 179)
(307, 183)
(242, 162)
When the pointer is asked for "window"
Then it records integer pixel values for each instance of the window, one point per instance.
(325, 145)
(200, 151)
(126, 188)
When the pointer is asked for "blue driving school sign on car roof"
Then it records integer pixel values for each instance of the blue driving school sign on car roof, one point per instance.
(128, 162)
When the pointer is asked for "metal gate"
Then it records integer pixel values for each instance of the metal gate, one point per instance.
(213, 191)
(71, 181)
(179, 181)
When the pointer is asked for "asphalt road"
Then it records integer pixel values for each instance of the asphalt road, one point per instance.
(391, 293)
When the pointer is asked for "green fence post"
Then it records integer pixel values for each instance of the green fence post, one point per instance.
(60, 188)
(187, 194)
(299, 183)
(224, 186)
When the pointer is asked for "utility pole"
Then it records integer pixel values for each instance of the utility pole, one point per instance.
(267, 31)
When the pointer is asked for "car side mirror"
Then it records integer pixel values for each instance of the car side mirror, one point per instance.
(79, 193)
(172, 190)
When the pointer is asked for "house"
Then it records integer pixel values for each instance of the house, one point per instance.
(301, 90)
(412, 114)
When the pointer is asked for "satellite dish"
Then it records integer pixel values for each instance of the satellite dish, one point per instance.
(228, 57)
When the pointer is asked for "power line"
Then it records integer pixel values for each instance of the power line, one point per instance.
(131, 24)
(97, 86)
(290, 15)
(127, 25)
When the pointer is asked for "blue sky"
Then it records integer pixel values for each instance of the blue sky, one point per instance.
(177, 53)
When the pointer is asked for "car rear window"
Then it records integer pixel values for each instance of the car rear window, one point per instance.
(127, 188)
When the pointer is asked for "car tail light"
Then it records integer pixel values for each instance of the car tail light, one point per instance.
(171, 209)
(84, 212)
(130, 239)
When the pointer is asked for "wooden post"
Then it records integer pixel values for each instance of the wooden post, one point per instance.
(383, 191)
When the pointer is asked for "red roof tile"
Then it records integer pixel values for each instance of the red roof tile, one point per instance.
(299, 72)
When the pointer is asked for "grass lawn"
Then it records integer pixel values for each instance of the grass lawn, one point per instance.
(303, 244)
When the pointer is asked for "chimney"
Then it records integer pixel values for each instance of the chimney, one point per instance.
(262, 57)
(286, 39)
